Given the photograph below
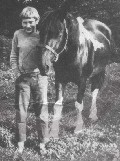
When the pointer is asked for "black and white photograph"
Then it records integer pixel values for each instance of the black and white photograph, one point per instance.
(59, 80)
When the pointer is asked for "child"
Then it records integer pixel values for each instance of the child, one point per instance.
(28, 79)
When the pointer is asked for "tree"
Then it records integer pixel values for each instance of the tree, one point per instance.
(107, 11)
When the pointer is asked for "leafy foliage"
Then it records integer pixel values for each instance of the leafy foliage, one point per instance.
(5, 49)
(105, 10)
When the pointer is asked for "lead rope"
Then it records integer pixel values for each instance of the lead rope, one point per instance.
(52, 50)
(65, 46)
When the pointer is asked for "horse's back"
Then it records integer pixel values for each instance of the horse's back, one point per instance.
(98, 29)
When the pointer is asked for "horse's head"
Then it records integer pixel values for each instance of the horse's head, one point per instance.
(53, 40)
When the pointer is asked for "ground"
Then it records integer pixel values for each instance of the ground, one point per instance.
(96, 142)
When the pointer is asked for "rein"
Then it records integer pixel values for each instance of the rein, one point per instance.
(52, 50)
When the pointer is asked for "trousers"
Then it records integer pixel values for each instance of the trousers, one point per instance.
(28, 85)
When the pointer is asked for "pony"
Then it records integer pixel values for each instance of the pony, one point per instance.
(79, 50)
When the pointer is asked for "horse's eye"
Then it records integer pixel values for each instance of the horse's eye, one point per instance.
(60, 35)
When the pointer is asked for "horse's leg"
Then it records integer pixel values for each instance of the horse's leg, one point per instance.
(79, 104)
(96, 84)
(93, 110)
(43, 83)
(42, 119)
(59, 87)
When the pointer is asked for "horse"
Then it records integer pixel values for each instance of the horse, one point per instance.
(79, 50)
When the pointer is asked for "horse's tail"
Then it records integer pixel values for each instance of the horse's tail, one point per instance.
(115, 33)
(115, 51)
(115, 43)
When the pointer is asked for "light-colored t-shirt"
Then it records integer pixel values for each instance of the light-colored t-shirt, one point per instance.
(24, 52)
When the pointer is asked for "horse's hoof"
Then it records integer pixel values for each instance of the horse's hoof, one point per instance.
(77, 132)
(93, 120)
(43, 150)
(58, 110)
(17, 156)
(54, 132)
(78, 129)
(44, 117)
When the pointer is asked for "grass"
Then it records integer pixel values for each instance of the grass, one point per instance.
(96, 142)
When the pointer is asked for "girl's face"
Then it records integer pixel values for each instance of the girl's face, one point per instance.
(29, 25)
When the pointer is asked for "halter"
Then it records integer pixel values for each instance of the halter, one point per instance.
(52, 50)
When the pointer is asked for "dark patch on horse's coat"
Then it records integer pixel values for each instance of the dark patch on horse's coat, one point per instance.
(72, 63)
(87, 47)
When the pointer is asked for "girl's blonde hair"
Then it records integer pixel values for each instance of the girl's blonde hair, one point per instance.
(29, 12)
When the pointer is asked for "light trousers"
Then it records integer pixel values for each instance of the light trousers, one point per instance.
(26, 85)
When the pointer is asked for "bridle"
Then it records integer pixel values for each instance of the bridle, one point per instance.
(52, 50)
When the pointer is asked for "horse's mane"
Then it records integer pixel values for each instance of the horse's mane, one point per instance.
(49, 21)
(46, 16)
(56, 13)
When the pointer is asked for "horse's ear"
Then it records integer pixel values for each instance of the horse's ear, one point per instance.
(65, 8)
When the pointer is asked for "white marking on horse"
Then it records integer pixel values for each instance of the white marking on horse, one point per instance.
(106, 27)
(44, 112)
(59, 102)
(56, 118)
(43, 90)
(79, 106)
(84, 34)
(93, 111)
(79, 123)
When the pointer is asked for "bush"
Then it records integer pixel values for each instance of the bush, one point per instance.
(5, 48)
